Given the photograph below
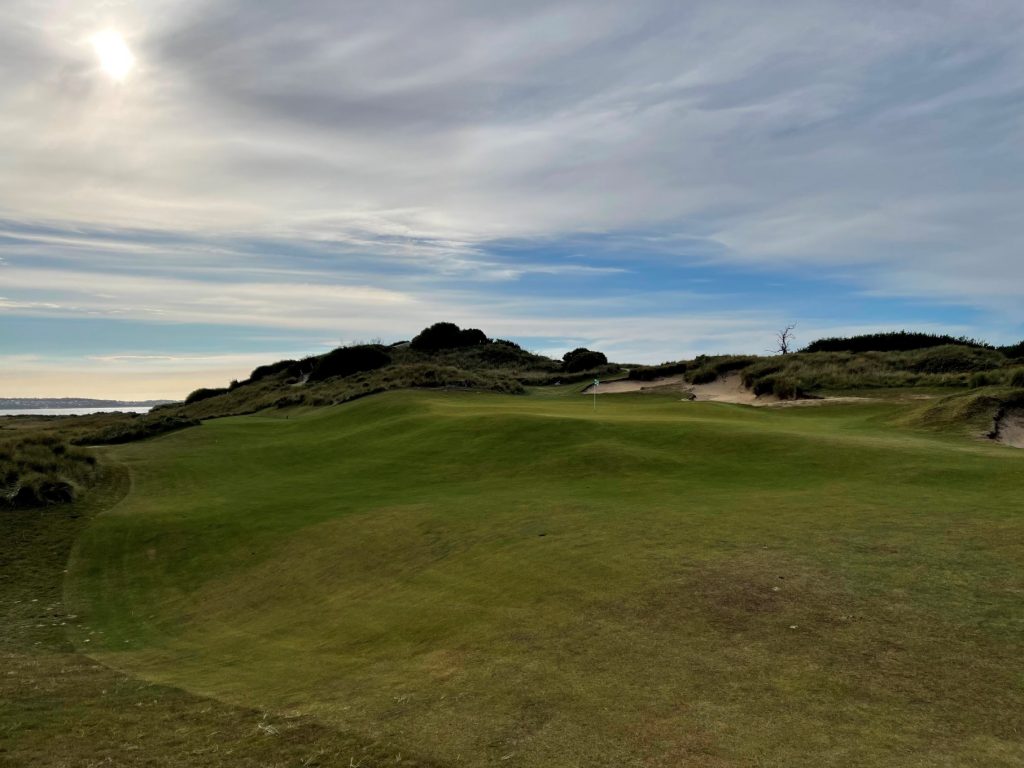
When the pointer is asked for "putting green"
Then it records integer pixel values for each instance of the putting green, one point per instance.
(526, 581)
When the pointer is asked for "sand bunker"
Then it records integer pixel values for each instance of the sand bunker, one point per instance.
(1009, 428)
(664, 384)
(727, 389)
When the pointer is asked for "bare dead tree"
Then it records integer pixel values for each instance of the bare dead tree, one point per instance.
(784, 339)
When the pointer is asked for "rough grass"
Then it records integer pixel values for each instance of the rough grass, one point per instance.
(482, 580)
(41, 469)
(794, 375)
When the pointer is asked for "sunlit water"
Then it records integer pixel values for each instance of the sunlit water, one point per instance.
(72, 411)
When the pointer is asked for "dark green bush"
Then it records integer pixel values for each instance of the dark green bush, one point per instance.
(786, 387)
(652, 372)
(447, 336)
(347, 361)
(956, 359)
(764, 385)
(1017, 378)
(204, 394)
(754, 373)
(984, 379)
(583, 359)
(703, 375)
(1014, 351)
(893, 341)
(264, 371)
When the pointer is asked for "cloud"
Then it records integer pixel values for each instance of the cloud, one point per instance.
(369, 162)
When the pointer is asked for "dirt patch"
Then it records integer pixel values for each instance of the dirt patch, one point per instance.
(1009, 428)
(747, 594)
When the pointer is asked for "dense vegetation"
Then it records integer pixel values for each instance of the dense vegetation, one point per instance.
(138, 428)
(583, 359)
(893, 341)
(442, 356)
(38, 470)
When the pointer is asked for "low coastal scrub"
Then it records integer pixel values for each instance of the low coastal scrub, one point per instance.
(39, 470)
(652, 372)
(803, 373)
(706, 369)
(893, 341)
(139, 428)
(441, 356)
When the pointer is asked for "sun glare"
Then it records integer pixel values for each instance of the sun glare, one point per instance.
(112, 51)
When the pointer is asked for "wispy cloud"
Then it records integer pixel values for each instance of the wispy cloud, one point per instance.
(353, 168)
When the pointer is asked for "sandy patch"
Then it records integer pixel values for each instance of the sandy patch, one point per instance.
(1010, 428)
(729, 389)
(663, 384)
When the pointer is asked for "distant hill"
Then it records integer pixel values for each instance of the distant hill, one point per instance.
(26, 403)
(442, 356)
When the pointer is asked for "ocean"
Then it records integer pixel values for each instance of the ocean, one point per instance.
(71, 411)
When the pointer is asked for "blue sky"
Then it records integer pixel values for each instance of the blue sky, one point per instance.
(653, 179)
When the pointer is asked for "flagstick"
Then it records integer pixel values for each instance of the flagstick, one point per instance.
(596, 382)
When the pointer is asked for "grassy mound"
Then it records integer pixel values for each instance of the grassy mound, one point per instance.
(484, 579)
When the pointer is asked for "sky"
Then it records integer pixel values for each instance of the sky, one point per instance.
(189, 188)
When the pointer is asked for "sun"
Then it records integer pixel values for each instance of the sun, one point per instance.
(115, 57)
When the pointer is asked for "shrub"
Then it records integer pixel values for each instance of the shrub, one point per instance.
(956, 359)
(447, 336)
(893, 341)
(583, 359)
(652, 372)
(1017, 378)
(764, 385)
(786, 388)
(204, 394)
(347, 361)
(983, 379)
(138, 429)
(264, 371)
(1015, 352)
(754, 373)
(703, 375)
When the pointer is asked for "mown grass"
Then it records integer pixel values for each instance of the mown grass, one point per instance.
(59, 708)
(482, 579)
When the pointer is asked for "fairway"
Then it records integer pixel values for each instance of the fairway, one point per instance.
(485, 579)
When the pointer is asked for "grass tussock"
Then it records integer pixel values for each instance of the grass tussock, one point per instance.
(973, 412)
(38, 470)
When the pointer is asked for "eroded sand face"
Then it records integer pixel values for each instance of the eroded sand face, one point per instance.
(728, 389)
(627, 385)
(1010, 428)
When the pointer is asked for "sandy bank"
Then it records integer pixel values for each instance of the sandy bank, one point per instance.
(728, 389)
(1009, 428)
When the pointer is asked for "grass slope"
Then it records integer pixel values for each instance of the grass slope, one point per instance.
(59, 708)
(484, 579)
